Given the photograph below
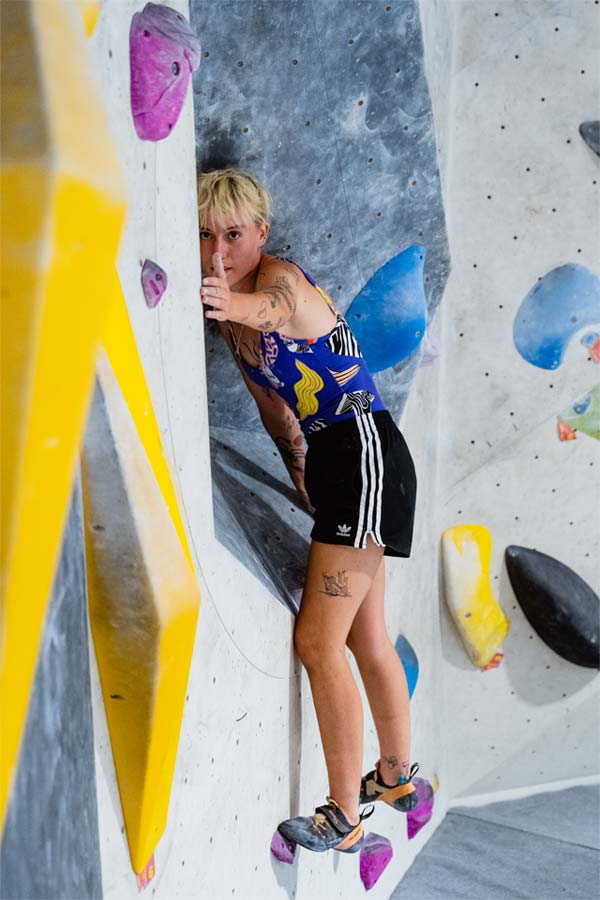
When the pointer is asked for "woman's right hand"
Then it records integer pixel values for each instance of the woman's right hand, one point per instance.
(306, 501)
(215, 292)
(293, 454)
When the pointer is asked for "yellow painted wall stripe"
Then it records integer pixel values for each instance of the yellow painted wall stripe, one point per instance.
(121, 348)
(61, 222)
(143, 625)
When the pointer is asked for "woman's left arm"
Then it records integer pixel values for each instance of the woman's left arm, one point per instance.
(284, 429)
(268, 309)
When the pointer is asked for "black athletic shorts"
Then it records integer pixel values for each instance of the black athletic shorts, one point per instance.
(361, 479)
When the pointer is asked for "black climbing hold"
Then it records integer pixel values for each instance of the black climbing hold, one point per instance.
(590, 132)
(559, 605)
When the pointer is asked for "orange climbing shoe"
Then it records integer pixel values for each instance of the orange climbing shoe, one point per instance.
(327, 829)
(402, 796)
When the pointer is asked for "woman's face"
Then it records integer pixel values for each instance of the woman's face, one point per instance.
(239, 245)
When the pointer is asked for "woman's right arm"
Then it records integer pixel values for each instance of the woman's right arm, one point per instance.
(279, 421)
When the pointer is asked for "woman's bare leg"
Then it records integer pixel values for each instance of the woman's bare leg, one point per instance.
(384, 679)
(337, 581)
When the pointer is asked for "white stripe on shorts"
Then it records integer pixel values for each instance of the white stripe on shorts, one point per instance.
(371, 468)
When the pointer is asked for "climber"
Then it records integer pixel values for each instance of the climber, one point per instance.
(303, 367)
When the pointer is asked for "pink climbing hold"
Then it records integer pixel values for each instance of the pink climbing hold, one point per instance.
(154, 283)
(375, 855)
(163, 52)
(282, 849)
(419, 816)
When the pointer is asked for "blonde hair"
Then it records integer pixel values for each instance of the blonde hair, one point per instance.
(224, 192)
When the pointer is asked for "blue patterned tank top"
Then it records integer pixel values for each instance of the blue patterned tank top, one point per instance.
(323, 380)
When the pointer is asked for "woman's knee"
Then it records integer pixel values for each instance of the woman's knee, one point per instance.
(313, 647)
(369, 652)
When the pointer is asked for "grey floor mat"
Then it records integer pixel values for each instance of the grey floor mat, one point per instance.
(571, 815)
(472, 858)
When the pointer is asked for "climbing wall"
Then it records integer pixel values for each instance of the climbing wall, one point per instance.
(203, 731)
(367, 170)
(518, 320)
(162, 739)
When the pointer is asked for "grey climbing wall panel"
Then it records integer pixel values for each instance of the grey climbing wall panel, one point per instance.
(50, 847)
(328, 104)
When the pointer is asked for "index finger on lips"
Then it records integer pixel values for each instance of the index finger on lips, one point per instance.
(218, 265)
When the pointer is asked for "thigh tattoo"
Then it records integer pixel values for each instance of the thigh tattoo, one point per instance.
(336, 585)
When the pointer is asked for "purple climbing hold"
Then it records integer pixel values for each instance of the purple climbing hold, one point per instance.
(419, 816)
(282, 849)
(163, 52)
(375, 855)
(154, 283)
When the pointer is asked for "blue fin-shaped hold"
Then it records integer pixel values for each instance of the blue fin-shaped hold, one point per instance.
(389, 315)
(409, 660)
(560, 606)
(563, 302)
(590, 132)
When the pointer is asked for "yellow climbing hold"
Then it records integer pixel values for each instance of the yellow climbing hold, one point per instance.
(481, 623)
(306, 389)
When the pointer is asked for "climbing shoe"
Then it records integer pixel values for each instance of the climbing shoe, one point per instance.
(402, 796)
(327, 829)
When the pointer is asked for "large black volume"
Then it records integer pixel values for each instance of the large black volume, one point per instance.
(559, 605)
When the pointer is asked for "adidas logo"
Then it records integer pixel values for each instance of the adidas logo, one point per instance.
(343, 530)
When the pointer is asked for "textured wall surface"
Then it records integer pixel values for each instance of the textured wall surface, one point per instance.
(50, 847)
(438, 18)
(523, 197)
(328, 104)
(249, 753)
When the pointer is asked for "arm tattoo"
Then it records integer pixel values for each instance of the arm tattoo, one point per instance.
(270, 326)
(336, 585)
(282, 291)
(263, 310)
(293, 457)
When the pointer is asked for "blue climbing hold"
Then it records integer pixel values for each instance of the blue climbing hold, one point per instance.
(389, 315)
(409, 661)
(563, 302)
